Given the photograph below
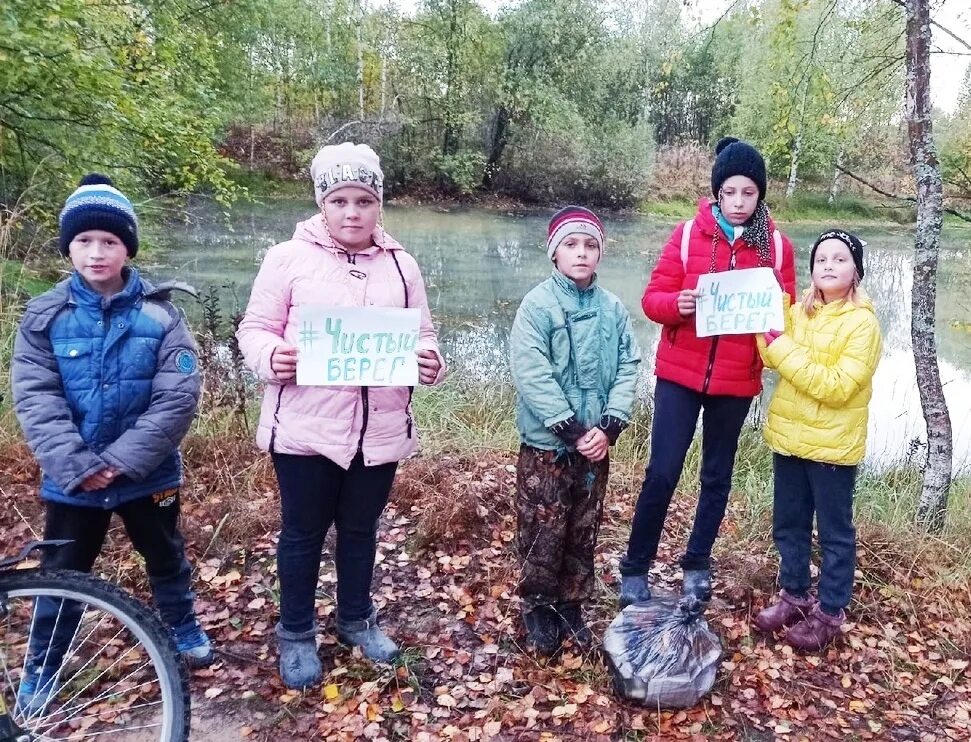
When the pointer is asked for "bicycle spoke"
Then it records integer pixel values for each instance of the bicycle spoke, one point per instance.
(51, 688)
(97, 661)
(105, 695)
(54, 724)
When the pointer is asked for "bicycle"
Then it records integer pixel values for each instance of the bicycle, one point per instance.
(82, 659)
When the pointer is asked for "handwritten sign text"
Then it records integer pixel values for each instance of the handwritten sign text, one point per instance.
(357, 346)
(739, 302)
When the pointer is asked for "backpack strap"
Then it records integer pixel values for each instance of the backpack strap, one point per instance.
(777, 241)
(686, 243)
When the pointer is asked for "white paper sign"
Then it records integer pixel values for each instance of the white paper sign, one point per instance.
(357, 346)
(739, 302)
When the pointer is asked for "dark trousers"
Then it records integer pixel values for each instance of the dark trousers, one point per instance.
(152, 524)
(803, 488)
(316, 493)
(676, 410)
(559, 506)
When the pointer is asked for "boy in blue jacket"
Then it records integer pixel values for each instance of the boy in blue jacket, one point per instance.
(105, 385)
(574, 364)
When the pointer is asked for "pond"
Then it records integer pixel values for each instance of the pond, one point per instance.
(478, 265)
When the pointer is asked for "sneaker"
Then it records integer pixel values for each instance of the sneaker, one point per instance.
(193, 644)
(542, 630)
(366, 634)
(815, 631)
(300, 667)
(633, 589)
(36, 692)
(572, 625)
(786, 611)
(697, 582)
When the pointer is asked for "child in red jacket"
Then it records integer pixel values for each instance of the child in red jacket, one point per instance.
(719, 375)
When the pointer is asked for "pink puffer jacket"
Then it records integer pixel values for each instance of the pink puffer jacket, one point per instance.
(331, 421)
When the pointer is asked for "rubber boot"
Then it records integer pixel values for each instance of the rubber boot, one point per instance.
(815, 631)
(697, 582)
(374, 643)
(299, 664)
(633, 589)
(572, 625)
(542, 630)
(788, 610)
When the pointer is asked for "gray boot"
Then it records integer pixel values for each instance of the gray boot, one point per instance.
(633, 589)
(697, 582)
(366, 634)
(299, 664)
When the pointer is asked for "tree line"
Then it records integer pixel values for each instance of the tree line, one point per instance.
(549, 100)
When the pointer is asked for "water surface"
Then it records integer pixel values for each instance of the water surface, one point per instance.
(478, 265)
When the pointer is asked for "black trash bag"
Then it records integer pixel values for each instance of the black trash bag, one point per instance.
(662, 652)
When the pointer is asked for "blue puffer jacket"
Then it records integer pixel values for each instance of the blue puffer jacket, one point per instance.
(101, 383)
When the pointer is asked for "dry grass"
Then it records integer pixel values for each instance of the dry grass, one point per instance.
(455, 496)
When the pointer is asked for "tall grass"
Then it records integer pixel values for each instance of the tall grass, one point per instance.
(459, 417)
(18, 283)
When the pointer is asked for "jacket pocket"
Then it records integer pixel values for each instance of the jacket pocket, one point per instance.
(561, 355)
(74, 359)
(671, 332)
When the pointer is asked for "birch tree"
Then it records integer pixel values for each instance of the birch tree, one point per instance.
(932, 506)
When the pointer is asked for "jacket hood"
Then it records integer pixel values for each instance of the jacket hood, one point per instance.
(315, 232)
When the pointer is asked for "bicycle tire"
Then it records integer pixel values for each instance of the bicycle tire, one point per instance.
(135, 616)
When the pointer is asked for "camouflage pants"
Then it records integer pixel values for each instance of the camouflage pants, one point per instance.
(559, 504)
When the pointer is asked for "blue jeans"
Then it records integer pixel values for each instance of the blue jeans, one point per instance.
(315, 493)
(803, 488)
(676, 410)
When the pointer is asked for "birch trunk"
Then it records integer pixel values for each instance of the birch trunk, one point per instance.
(932, 508)
(360, 59)
(834, 187)
(794, 166)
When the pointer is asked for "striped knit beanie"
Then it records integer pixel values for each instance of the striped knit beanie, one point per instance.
(97, 204)
(574, 220)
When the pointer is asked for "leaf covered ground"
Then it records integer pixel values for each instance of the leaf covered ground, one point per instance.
(445, 585)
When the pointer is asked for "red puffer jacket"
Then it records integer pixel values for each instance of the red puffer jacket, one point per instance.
(726, 364)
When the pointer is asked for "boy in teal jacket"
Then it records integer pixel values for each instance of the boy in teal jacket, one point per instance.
(574, 364)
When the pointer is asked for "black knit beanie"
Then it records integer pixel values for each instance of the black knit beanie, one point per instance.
(854, 243)
(97, 204)
(734, 157)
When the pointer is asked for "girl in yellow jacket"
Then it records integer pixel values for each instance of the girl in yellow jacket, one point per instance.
(817, 426)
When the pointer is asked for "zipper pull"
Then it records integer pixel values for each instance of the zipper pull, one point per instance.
(409, 424)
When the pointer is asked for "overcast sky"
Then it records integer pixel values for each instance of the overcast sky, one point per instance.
(947, 69)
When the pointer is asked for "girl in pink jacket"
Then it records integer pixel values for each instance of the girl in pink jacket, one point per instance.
(334, 449)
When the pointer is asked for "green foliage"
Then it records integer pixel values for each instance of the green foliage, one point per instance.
(819, 78)
(548, 100)
(131, 88)
(955, 145)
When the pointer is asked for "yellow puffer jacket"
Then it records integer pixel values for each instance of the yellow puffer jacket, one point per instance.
(826, 364)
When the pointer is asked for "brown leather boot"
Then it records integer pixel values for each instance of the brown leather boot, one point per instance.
(815, 631)
(787, 611)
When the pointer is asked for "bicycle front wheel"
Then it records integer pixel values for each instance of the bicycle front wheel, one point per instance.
(82, 659)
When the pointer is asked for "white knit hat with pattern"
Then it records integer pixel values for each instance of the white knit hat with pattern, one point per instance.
(343, 165)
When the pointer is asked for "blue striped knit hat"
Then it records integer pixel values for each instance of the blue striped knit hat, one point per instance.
(97, 204)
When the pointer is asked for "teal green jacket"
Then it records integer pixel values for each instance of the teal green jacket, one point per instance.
(572, 352)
